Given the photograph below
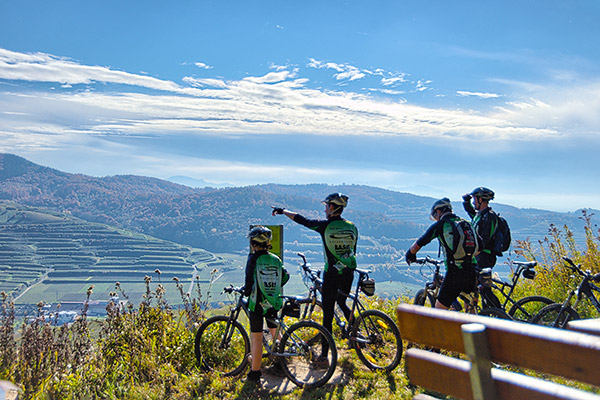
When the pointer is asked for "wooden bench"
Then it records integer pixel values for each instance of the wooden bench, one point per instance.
(591, 326)
(572, 355)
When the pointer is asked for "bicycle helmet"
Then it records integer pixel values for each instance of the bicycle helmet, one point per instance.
(442, 204)
(483, 193)
(260, 234)
(336, 198)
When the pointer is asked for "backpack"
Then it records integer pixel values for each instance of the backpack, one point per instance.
(501, 237)
(269, 278)
(465, 242)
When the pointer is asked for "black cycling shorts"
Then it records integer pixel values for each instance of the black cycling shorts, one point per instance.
(456, 281)
(256, 319)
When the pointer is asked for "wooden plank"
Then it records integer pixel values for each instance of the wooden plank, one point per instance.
(477, 349)
(590, 326)
(439, 373)
(555, 351)
(512, 385)
(450, 376)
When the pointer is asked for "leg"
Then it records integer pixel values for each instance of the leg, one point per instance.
(256, 350)
(256, 325)
(329, 295)
(440, 305)
(345, 285)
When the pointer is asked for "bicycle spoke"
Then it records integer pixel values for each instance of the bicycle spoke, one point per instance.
(221, 348)
(377, 340)
(301, 354)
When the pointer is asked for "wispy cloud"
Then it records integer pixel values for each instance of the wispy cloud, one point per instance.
(344, 71)
(202, 65)
(481, 95)
(40, 67)
(277, 103)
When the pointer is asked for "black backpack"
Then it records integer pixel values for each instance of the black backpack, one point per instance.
(501, 237)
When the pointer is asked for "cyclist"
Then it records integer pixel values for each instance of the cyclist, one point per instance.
(339, 245)
(265, 277)
(460, 271)
(485, 222)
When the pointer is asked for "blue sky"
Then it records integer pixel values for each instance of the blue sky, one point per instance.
(430, 97)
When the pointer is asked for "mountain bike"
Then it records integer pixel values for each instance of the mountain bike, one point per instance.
(373, 334)
(525, 308)
(466, 301)
(558, 315)
(521, 310)
(222, 344)
(428, 295)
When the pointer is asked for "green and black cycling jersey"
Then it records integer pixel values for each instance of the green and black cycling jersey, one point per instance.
(485, 223)
(265, 277)
(443, 231)
(339, 240)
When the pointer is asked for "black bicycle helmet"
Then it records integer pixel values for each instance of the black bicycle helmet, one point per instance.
(483, 193)
(260, 234)
(441, 204)
(336, 198)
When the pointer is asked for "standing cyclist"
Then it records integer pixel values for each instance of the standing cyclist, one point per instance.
(265, 277)
(459, 255)
(485, 222)
(339, 242)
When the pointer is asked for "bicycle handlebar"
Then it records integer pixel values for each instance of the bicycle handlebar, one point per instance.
(429, 260)
(525, 264)
(576, 268)
(230, 289)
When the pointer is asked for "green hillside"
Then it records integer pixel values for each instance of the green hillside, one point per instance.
(55, 258)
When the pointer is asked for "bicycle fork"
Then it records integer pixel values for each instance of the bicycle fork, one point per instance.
(567, 303)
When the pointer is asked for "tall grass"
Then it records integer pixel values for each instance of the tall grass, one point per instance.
(146, 351)
(554, 278)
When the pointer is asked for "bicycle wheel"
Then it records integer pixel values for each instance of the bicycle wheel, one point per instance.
(527, 307)
(300, 356)
(494, 312)
(377, 341)
(424, 298)
(222, 346)
(552, 316)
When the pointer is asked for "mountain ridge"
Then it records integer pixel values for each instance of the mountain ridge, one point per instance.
(217, 219)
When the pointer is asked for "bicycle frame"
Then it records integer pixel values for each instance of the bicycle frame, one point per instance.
(585, 288)
(316, 286)
(501, 285)
(242, 305)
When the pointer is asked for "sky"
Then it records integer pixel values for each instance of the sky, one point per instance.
(429, 97)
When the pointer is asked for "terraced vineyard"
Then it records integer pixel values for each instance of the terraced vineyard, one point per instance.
(52, 257)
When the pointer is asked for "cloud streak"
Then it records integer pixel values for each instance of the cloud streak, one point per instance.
(276, 103)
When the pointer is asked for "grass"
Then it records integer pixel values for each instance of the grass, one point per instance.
(146, 352)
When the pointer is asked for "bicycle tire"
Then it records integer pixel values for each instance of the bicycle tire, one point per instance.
(298, 354)
(227, 359)
(494, 312)
(527, 307)
(552, 316)
(377, 342)
(424, 298)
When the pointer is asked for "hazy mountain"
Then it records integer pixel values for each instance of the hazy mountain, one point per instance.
(218, 219)
(196, 183)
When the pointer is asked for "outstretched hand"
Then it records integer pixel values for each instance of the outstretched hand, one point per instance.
(277, 210)
(410, 257)
(467, 197)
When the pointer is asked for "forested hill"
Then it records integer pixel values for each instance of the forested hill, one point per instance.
(218, 219)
